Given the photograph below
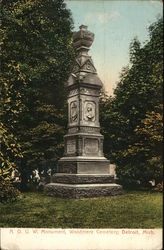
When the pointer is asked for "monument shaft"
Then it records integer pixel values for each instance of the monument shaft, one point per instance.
(83, 171)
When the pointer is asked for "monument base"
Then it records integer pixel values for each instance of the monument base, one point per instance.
(82, 177)
(83, 165)
(78, 191)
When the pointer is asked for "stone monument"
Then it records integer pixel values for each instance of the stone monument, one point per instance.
(83, 171)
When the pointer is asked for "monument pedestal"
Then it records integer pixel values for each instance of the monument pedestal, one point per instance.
(83, 171)
(81, 177)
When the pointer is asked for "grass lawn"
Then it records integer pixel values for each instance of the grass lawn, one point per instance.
(133, 209)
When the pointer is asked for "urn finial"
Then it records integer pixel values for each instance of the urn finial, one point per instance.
(83, 27)
(84, 71)
(83, 38)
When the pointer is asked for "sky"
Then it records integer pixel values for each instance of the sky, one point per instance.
(115, 23)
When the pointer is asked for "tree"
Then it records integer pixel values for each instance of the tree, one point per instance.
(10, 108)
(37, 41)
(138, 93)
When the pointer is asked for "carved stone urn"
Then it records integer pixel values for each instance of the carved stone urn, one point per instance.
(83, 171)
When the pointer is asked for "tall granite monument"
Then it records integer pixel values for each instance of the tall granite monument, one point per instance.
(83, 171)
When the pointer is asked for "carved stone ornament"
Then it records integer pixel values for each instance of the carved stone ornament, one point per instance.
(89, 112)
(73, 92)
(86, 91)
(83, 37)
(74, 111)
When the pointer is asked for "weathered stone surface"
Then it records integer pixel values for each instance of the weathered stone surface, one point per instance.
(82, 179)
(83, 144)
(67, 167)
(93, 167)
(83, 166)
(83, 38)
(83, 190)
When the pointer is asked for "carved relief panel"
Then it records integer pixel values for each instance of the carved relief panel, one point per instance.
(73, 111)
(89, 111)
(88, 66)
(83, 108)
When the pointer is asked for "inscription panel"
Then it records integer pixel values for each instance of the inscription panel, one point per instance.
(66, 167)
(89, 130)
(91, 146)
(71, 146)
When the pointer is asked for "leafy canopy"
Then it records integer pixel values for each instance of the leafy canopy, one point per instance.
(36, 40)
(131, 120)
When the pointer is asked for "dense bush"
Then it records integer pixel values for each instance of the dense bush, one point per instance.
(8, 192)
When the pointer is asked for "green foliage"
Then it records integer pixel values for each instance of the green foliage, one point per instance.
(7, 192)
(37, 55)
(132, 119)
(10, 108)
(10, 152)
(150, 131)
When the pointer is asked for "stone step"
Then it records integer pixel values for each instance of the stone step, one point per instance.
(78, 191)
(82, 179)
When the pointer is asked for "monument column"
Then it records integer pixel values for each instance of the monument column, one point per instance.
(83, 171)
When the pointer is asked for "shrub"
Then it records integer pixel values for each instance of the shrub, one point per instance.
(7, 191)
